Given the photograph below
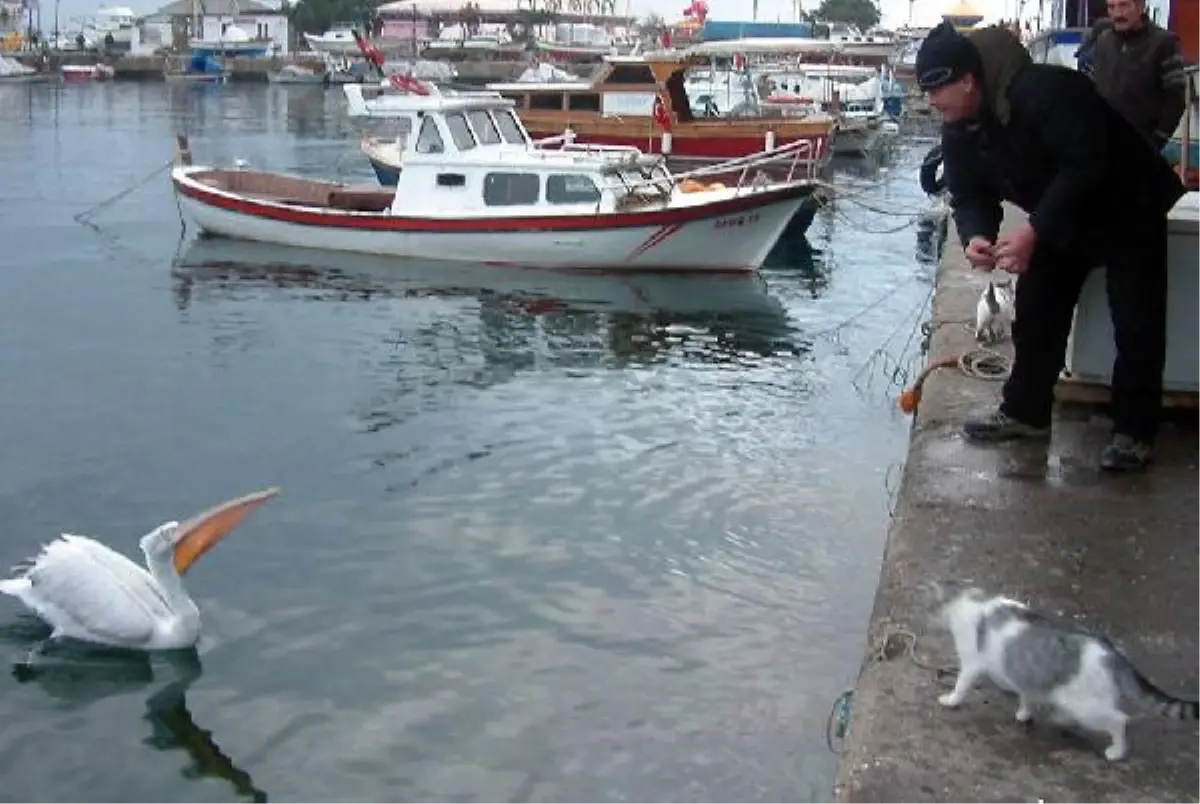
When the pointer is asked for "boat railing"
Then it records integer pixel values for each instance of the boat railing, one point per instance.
(596, 148)
(798, 156)
(1189, 105)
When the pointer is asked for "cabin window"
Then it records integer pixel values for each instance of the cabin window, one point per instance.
(571, 189)
(630, 74)
(583, 102)
(429, 141)
(460, 132)
(451, 180)
(510, 189)
(485, 129)
(550, 102)
(510, 129)
(403, 130)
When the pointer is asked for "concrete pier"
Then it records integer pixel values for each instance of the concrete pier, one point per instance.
(1043, 525)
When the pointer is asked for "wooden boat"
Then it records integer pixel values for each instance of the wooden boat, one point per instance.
(475, 188)
(642, 102)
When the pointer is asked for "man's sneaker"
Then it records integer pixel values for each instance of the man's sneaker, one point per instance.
(1125, 454)
(999, 426)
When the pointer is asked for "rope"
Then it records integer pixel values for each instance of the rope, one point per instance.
(981, 364)
(985, 364)
(895, 643)
(86, 216)
(888, 646)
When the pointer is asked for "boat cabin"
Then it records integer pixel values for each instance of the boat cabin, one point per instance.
(624, 85)
(468, 154)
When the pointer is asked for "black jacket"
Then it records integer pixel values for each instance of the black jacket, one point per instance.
(1141, 73)
(1049, 143)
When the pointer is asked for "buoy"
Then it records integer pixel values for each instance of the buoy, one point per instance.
(666, 142)
(769, 141)
(910, 399)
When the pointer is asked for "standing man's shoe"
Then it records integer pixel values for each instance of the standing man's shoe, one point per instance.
(1125, 454)
(999, 426)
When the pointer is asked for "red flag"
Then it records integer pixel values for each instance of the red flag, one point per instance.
(368, 50)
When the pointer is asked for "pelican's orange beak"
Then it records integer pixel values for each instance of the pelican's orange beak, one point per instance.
(200, 533)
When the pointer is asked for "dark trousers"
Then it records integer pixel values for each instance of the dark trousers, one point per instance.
(1137, 299)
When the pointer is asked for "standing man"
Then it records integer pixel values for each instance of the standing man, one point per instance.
(1138, 68)
(1041, 137)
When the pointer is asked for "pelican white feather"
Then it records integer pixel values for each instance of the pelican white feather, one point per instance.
(87, 591)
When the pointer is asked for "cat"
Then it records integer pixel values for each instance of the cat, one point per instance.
(1084, 681)
(994, 312)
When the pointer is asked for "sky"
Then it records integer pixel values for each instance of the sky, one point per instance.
(895, 12)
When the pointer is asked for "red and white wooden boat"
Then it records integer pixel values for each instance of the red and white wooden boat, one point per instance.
(474, 188)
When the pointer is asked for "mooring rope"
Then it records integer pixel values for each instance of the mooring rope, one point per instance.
(86, 216)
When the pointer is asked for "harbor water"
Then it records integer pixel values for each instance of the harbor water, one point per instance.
(542, 536)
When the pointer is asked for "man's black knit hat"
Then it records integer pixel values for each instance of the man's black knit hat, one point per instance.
(945, 56)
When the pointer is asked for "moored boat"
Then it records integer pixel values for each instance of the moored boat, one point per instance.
(642, 102)
(86, 72)
(475, 188)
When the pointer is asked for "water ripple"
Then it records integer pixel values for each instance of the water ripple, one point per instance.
(544, 535)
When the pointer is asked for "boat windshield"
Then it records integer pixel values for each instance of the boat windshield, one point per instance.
(510, 129)
(485, 129)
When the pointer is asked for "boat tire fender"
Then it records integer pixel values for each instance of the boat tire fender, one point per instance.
(931, 182)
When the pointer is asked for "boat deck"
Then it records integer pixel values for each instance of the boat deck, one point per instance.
(296, 191)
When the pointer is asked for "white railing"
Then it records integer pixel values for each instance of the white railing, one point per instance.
(582, 147)
(1186, 139)
(774, 156)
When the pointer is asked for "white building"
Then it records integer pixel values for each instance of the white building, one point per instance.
(235, 22)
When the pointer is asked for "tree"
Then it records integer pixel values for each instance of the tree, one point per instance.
(316, 16)
(863, 14)
(652, 26)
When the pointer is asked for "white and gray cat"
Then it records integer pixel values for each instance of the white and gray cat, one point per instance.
(994, 312)
(1082, 680)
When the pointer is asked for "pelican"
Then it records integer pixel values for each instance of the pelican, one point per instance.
(86, 591)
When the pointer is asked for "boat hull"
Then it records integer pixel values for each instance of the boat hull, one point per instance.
(732, 234)
(704, 143)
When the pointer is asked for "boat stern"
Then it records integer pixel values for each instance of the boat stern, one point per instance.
(741, 231)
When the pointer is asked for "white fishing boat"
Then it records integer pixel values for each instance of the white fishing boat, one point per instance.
(338, 40)
(298, 74)
(476, 188)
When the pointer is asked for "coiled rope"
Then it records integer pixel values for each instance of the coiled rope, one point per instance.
(981, 364)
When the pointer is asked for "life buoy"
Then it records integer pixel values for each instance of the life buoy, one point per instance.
(931, 182)
(406, 83)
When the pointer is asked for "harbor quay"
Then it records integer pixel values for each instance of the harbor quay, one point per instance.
(1039, 523)
(250, 69)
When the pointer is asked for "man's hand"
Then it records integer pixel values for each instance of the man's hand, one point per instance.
(980, 253)
(1015, 249)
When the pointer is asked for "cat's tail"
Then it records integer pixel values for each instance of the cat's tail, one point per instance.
(1163, 703)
